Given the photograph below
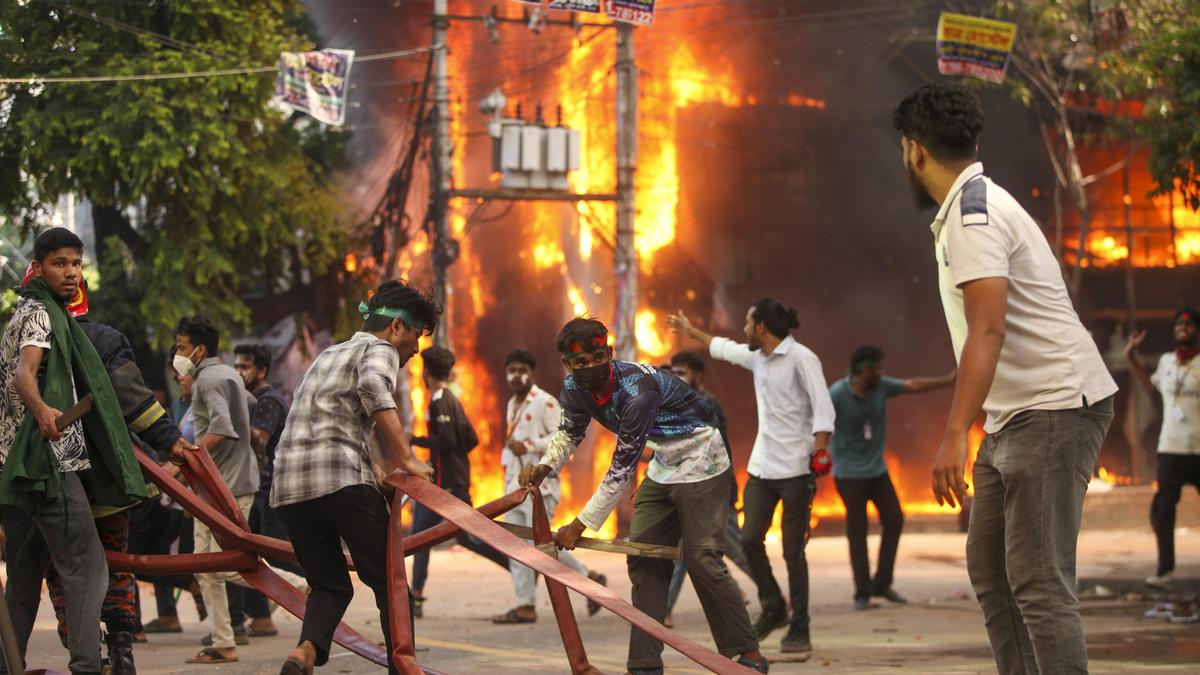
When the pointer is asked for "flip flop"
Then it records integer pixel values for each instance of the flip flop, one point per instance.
(211, 655)
(510, 617)
(294, 666)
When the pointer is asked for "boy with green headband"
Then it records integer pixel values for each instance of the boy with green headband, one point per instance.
(47, 364)
(324, 488)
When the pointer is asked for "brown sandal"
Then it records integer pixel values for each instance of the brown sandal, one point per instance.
(511, 617)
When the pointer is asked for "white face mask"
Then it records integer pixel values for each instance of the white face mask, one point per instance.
(183, 364)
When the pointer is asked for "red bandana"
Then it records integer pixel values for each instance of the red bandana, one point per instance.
(1185, 354)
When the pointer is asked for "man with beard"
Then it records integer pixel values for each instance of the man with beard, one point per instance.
(859, 472)
(267, 417)
(795, 420)
(1025, 359)
(532, 416)
(1177, 379)
(324, 487)
(685, 494)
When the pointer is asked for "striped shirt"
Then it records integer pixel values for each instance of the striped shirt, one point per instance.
(326, 442)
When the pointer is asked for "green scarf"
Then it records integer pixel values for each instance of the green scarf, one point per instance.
(30, 478)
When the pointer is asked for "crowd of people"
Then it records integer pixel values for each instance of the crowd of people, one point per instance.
(308, 472)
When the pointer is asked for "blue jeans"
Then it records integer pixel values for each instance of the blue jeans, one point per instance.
(423, 519)
(1030, 480)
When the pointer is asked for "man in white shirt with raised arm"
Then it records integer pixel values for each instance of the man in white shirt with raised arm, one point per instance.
(1025, 359)
(795, 420)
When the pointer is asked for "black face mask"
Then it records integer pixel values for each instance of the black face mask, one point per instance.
(593, 378)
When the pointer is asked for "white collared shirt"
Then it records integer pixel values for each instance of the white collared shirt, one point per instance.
(533, 422)
(1048, 361)
(793, 404)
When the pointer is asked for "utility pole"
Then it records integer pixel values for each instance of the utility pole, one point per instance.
(445, 249)
(625, 257)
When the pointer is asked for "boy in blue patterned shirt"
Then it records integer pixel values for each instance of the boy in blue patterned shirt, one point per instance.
(685, 493)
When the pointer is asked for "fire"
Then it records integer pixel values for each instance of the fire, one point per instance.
(561, 241)
(1114, 478)
(650, 343)
(1166, 233)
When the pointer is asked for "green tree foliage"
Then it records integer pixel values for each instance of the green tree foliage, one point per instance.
(203, 195)
(1158, 64)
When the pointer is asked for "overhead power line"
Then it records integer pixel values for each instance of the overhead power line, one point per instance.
(38, 79)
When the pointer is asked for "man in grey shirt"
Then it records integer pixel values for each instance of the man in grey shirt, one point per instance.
(221, 410)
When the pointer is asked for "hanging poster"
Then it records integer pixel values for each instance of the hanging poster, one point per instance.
(315, 83)
(974, 46)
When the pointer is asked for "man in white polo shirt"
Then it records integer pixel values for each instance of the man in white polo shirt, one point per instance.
(1177, 378)
(795, 421)
(1025, 360)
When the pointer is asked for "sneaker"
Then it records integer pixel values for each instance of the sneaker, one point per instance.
(865, 603)
(761, 666)
(1162, 581)
(1163, 610)
(891, 596)
(795, 641)
(768, 621)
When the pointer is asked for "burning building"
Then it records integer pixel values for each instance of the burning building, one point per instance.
(766, 167)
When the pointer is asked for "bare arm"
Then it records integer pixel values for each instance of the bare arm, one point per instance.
(211, 441)
(1135, 366)
(984, 301)
(27, 388)
(394, 451)
(679, 323)
(917, 385)
(821, 440)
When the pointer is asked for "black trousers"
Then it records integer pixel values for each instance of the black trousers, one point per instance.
(357, 515)
(856, 492)
(759, 500)
(1173, 472)
(264, 520)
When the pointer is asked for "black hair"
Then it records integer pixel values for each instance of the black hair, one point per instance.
(779, 320)
(583, 330)
(944, 117)
(260, 355)
(53, 239)
(692, 360)
(1190, 311)
(201, 331)
(521, 356)
(399, 294)
(864, 356)
(438, 361)
(665, 367)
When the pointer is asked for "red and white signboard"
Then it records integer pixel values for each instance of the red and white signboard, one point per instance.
(630, 11)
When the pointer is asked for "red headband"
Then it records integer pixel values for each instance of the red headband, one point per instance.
(598, 341)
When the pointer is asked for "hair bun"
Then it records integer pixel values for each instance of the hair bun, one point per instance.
(793, 322)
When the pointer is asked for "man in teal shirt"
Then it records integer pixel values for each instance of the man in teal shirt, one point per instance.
(861, 476)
